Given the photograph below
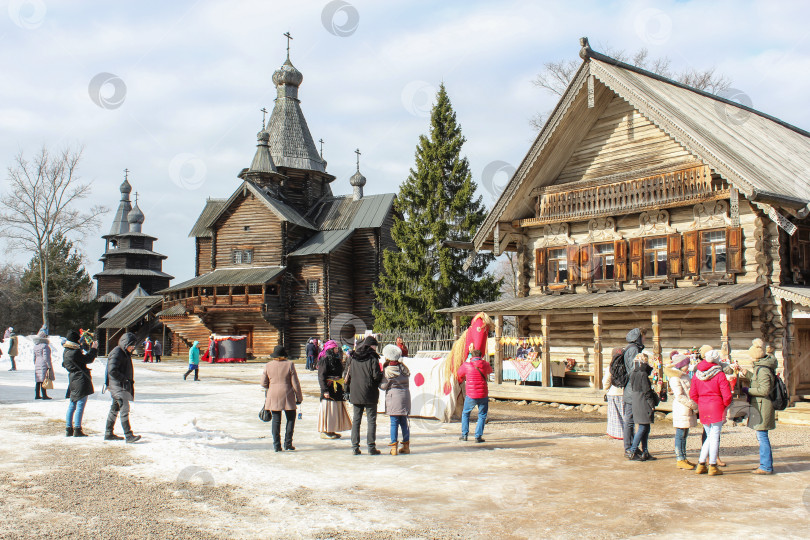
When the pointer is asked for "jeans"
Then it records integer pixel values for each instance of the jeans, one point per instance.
(629, 426)
(196, 369)
(641, 437)
(75, 412)
(400, 422)
(680, 442)
(120, 405)
(483, 407)
(711, 446)
(765, 455)
(275, 428)
(371, 433)
(310, 362)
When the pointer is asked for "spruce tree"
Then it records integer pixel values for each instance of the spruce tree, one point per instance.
(69, 287)
(437, 202)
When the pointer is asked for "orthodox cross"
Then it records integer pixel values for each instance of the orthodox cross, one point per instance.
(126, 174)
(321, 141)
(289, 37)
(264, 115)
(358, 158)
(136, 197)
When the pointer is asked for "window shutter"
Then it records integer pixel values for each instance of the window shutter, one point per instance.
(734, 251)
(540, 266)
(796, 262)
(586, 263)
(572, 253)
(674, 249)
(636, 258)
(691, 243)
(620, 260)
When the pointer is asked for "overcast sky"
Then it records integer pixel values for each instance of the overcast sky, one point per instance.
(172, 90)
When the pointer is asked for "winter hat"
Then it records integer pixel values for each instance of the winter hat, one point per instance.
(392, 352)
(680, 361)
(672, 354)
(703, 350)
(42, 334)
(757, 349)
(73, 336)
(712, 356)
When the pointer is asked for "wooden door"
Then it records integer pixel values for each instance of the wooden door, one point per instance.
(800, 371)
(246, 331)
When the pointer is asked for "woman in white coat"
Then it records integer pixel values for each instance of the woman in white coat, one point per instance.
(683, 408)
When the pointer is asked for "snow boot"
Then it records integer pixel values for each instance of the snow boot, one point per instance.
(701, 469)
(393, 446)
(68, 432)
(374, 452)
(77, 432)
(130, 437)
(406, 447)
(714, 470)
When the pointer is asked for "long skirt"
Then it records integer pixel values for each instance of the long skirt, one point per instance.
(615, 420)
(332, 417)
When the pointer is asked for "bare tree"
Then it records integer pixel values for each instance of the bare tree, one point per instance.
(44, 200)
(507, 270)
(556, 76)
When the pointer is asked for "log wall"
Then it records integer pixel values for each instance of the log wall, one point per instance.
(263, 236)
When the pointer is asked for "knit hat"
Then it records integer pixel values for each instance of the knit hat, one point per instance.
(703, 350)
(680, 361)
(757, 349)
(712, 356)
(672, 354)
(73, 336)
(392, 352)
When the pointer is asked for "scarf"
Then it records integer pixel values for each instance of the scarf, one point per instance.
(709, 373)
(329, 345)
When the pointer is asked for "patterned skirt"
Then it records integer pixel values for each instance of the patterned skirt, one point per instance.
(615, 419)
(332, 417)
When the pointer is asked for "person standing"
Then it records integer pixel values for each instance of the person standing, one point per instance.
(43, 367)
(635, 345)
(395, 383)
(402, 347)
(643, 402)
(8, 332)
(761, 413)
(157, 350)
(363, 384)
(193, 361)
(683, 408)
(475, 372)
(12, 350)
(80, 383)
(332, 415)
(311, 354)
(147, 350)
(615, 404)
(120, 379)
(711, 391)
(283, 393)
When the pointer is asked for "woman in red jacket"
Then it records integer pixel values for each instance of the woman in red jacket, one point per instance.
(711, 391)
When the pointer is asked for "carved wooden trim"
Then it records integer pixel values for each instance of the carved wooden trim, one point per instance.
(556, 234)
(652, 223)
(710, 214)
(602, 230)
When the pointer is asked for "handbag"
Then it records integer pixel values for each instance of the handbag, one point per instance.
(265, 415)
(47, 384)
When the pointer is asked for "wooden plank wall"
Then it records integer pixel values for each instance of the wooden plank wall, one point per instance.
(621, 140)
(202, 256)
(307, 307)
(364, 274)
(265, 336)
(341, 288)
(264, 236)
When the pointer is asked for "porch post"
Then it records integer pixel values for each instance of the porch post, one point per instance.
(597, 350)
(725, 346)
(498, 349)
(546, 350)
(788, 353)
(230, 295)
(656, 329)
(456, 326)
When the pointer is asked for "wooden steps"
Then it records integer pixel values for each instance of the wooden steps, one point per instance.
(568, 395)
(189, 328)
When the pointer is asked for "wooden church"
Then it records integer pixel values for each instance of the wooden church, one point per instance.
(646, 203)
(283, 259)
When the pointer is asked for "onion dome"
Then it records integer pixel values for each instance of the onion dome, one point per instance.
(135, 215)
(288, 74)
(126, 189)
(357, 180)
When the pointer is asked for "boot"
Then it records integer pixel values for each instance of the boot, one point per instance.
(685, 465)
(393, 446)
(714, 470)
(646, 456)
(635, 456)
(186, 375)
(690, 463)
(761, 471)
(68, 432)
(37, 389)
(130, 437)
(720, 463)
(108, 430)
(45, 395)
(406, 447)
(77, 432)
(374, 452)
(701, 469)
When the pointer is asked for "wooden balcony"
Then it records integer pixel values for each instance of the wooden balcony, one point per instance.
(198, 304)
(576, 202)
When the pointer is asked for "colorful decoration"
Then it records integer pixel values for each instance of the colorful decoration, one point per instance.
(474, 337)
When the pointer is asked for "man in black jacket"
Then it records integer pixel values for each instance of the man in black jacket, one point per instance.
(635, 344)
(120, 380)
(363, 377)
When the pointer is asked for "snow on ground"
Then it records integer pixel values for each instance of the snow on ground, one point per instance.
(527, 481)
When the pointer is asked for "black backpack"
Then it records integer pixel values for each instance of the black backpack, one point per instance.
(779, 394)
(618, 371)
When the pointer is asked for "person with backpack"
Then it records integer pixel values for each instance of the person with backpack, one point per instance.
(363, 376)
(635, 345)
(761, 413)
(475, 372)
(643, 401)
(615, 394)
(711, 391)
